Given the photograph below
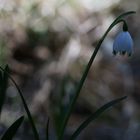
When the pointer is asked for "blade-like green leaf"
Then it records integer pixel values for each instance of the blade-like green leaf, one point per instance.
(2, 94)
(94, 116)
(3, 86)
(47, 130)
(1, 77)
(10, 133)
(36, 135)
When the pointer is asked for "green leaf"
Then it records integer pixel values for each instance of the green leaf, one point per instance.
(36, 135)
(1, 77)
(10, 133)
(94, 116)
(47, 130)
(3, 86)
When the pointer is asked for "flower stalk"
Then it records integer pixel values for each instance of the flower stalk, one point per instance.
(116, 21)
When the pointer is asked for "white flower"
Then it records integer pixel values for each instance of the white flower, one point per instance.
(123, 43)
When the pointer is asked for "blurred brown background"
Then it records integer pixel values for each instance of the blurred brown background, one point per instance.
(46, 42)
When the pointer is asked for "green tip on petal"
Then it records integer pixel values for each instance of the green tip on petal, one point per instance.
(130, 54)
(114, 52)
(123, 52)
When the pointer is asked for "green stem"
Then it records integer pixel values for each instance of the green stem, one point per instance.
(64, 123)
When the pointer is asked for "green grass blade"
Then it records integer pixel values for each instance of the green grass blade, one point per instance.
(47, 130)
(11, 131)
(36, 135)
(3, 86)
(94, 116)
(116, 21)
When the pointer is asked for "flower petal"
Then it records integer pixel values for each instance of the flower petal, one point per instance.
(123, 43)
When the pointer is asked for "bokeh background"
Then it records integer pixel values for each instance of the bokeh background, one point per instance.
(47, 44)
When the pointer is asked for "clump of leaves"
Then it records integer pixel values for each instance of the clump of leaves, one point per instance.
(11, 131)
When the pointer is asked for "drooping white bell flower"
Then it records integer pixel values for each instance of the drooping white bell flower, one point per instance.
(123, 43)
